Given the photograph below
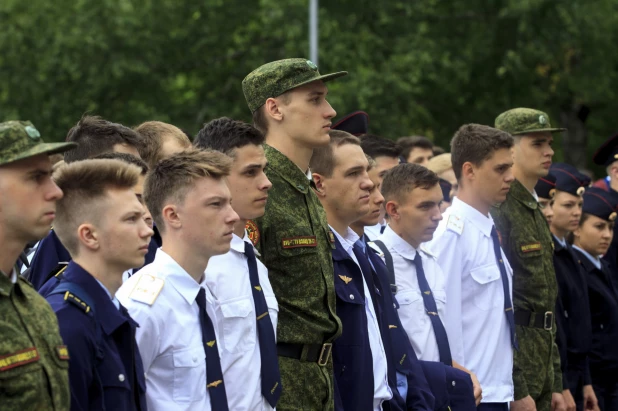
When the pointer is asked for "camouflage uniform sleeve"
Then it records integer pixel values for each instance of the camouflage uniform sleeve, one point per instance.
(503, 225)
(557, 368)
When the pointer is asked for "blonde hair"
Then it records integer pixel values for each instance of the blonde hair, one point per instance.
(153, 134)
(85, 184)
(440, 163)
(171, 178)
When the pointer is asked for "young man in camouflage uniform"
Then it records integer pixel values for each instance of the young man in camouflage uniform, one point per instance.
(288, 102)
(527, 243)
(33, 359)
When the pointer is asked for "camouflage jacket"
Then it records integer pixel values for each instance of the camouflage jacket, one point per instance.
(529, 247)
(33, 360)
(295, 244)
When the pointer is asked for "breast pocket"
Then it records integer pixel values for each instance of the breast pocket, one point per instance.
(412, 311)
(239, 325)
(189, 374)
(486, 286)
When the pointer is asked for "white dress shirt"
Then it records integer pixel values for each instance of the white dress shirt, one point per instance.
(227, 278)
(381, 390)
(412, 311)
(374, 231)
(476, 324)
(169, 336)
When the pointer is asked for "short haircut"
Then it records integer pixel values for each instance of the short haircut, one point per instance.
(407, 144)
(323, 158)
(476, 143)
(84, 184)
(153, 134)
(95, 136)
(403, 178)
(225, 135)
(172, 178)
(440, 164)
(127, 158)
(376, 146)
(259, 116)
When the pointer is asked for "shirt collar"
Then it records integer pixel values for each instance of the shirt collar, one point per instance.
(399, 244)
(483, 223)
(560, 241)
(173, 273)
(348, 241)
(113, 299)
(594, 260)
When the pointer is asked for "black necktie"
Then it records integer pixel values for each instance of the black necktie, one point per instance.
(432, 311)
(367, 273)
(271, 379)
(214, 375)
(508, 306)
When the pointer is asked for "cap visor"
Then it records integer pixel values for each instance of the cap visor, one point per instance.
(540, 130)
(324, 78)
(43, 148)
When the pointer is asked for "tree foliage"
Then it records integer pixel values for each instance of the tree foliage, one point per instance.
(421, 67)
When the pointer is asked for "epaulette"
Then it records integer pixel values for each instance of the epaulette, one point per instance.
(72, 298)
(147, 289)
(375, 248)
(455, 224)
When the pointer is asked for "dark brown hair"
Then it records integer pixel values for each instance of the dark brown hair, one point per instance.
(407, 144)
(404, 178)
(323, 158)
(476, 143)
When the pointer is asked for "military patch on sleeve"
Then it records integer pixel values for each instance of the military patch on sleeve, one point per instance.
(528, 248)
(297, 242)
(18, 358)
(252, 232)
(455, 224)
(63, 352)
(147, 289)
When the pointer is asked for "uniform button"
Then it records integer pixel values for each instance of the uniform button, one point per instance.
(351, 296)
(121, 378)
(453, 383)
(566, 314)
(194, 359)
(394, 305)
(601, 326)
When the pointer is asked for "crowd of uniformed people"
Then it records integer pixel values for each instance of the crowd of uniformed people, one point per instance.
(302, 264)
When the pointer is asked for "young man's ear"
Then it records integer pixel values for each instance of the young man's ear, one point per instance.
(318, 184)
(271, 109)
(171, 217)
(467, 170)
(392, 209)
(88, 236)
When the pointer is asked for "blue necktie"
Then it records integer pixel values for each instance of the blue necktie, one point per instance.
(382, 229)
(271, 378)
(214, 375)
(432, 311)
(508, 307)
(367, 273)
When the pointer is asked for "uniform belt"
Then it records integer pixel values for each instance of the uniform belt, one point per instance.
(535, 320)
(319, 353)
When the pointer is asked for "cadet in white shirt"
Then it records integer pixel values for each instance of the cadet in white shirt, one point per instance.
(190, 204)
(479, 319)
(385, 154)
(342, 184)
(412, 196)
(240, 321)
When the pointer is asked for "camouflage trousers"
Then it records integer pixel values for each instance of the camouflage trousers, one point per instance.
(535, 363)
(305, 386)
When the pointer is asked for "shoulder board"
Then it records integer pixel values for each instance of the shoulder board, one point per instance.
(147, 289)
(426, 251)
(455, 224)
(75, 300)
(375, 248)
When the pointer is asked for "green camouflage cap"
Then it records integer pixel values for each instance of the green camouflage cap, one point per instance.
(275, 78)
(20, 140)
(523, 121)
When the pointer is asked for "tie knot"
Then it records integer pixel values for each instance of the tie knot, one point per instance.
(201, 298)
(249, 250)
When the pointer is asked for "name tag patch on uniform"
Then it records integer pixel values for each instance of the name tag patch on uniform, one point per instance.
(63, 352)
(22, 357)
(147, 289)
(527, 248)
(296, 242)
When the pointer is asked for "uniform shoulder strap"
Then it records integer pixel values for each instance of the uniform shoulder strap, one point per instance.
(388, 259)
